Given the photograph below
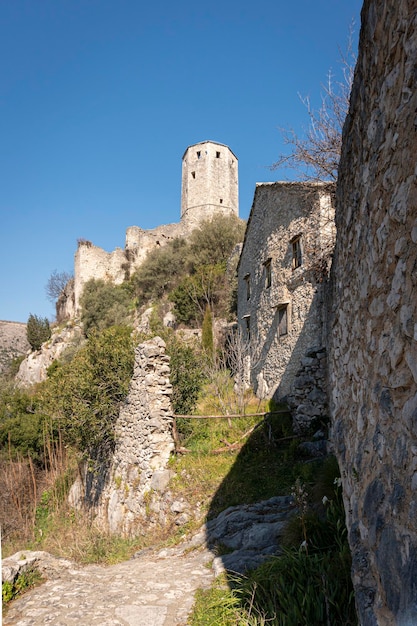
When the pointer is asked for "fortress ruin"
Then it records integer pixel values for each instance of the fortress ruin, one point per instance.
(209, 186)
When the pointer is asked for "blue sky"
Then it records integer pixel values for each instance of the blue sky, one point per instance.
(100, 98)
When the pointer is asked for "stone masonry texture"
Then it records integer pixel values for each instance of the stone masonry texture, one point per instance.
(373, 351)
(282, 212)
(135, 483)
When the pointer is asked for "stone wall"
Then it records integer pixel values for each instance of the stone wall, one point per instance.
(144, 443)
(373, 352)
(281, 213)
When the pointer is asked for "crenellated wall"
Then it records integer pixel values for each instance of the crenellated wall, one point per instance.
(373, 352)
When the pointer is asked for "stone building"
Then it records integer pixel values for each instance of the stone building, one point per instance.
(373, 352)
(209, 186)
(281, 282)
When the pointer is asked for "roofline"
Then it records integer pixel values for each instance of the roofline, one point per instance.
(216, 143)
(279, 183)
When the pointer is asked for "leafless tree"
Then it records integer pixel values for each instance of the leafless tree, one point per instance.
(56, 284)
(315, 154)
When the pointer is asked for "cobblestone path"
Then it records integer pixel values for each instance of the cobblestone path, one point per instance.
(151, 590)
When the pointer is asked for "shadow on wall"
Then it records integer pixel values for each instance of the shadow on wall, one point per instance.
(281, 357)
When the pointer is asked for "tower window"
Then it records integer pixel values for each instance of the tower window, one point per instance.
(217, 155)
(297, 257)
(199, 154)
(193, 174)
(221, 200)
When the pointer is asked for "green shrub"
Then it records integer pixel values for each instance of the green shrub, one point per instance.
(22, 426)
(84, 396)
(104, 304)
(37, 331)
(160, 272)
(23, 582)
(187, 376)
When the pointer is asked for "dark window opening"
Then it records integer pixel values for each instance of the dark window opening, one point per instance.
(247, 281)
(193, 174)
(221, 200)
(247, 326)
(268, 273)
(217, 155)
(297, 257)
(282, 320)
(199, 154)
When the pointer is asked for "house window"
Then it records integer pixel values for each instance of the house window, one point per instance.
(199, 154)
(247, 281)
(297, 257)
(221, 200)
(217, 155)
(193, 174)
(268, 273)
(282, 320)
(246, 320)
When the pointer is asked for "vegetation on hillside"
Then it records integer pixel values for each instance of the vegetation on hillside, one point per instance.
(47, 430)
(193, 274)
(37, 331)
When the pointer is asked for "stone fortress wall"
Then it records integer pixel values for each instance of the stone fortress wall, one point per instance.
(373, 352)
(209, 186)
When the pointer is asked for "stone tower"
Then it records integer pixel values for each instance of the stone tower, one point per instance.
(209, 182)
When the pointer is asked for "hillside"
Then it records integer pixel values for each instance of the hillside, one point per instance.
(13, 342)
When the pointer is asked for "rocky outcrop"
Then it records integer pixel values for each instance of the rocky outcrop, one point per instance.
(373, 353)
(34, 368)
(250, 533)
(13, 342)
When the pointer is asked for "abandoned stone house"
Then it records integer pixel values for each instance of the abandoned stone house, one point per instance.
(281, 284)
(209, 186)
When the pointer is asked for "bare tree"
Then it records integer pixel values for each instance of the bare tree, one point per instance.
(315, 154)
(56, 284)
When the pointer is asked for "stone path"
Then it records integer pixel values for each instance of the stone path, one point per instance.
(150, 590)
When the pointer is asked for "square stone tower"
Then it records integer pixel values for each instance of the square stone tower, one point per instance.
(209, 182)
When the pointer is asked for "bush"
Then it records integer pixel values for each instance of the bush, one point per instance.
(21, 425)
(186, 376)
(37, 331)
(85, 395)
(104, 305)
(160, 272)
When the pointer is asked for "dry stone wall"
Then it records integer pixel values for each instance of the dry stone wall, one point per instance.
(144, 443)
(373, 352)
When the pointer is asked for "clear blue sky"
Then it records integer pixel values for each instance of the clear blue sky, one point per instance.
(100, 98)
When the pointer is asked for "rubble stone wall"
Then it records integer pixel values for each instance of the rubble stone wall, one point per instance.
(282, 212)
(144, 443)
(373, 352)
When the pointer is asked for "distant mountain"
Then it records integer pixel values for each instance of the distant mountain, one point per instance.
(13, 342)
